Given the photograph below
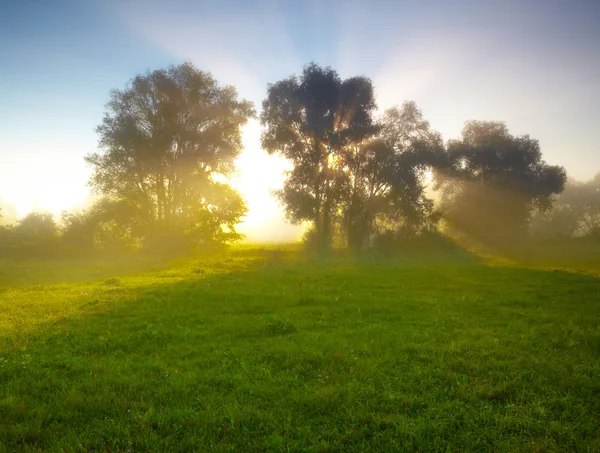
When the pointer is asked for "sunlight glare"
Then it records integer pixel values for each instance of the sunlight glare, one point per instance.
(258, 173)
(50, 186)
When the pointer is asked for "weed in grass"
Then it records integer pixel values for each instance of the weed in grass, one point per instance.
(114, 281)
(307, 300)
(275, 325)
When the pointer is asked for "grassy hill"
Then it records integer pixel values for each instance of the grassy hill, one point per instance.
(263, 349)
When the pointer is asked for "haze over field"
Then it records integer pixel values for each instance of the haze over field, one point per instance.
(418, 186)
(531, 64)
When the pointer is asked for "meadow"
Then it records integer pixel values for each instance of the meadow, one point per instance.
(271, 349)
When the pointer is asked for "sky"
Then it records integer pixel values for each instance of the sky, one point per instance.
(534, 64)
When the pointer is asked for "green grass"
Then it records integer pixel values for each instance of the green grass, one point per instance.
(270, 350)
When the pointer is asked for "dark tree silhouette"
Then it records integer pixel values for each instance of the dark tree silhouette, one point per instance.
(169, 139)
(494, 181)
(313, 120)
(386, 190)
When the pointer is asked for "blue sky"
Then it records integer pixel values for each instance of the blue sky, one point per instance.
(534, 64)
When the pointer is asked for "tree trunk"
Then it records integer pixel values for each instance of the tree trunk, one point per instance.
(159, 199)
(326, 227)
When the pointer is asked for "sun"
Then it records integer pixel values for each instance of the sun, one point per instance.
(53, 199)
(257, 175)
(58, 185)
(48, 188)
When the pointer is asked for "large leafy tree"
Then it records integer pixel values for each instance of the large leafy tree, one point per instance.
(313, 120)
(387, 175)
(495, 181)
(169, 140)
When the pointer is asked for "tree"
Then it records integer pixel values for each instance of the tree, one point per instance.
(312, 120)
(387, 175)
(35, 235)
(78, 232)
(36, 226)
(169, 140)
(494, 181)
(107, 225)
(576, 212)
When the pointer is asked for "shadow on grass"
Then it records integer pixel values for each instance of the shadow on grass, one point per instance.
(227, 275)
(226, 353)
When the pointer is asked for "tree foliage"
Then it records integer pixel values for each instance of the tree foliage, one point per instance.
(576, 212)
(494, 181)
(34, 236)
(312, 120)
(348, 169)
(105, 226)
(387, 175)
(36, 226)
(169, 140)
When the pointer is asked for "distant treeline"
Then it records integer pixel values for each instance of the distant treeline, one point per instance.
(168, 143)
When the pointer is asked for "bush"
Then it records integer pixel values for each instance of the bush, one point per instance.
(426, 241)
(34, 236)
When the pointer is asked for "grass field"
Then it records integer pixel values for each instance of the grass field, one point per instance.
(264, 349)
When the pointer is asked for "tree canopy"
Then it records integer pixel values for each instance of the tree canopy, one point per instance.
(169, 140)
(312, 120)
(387, 175)
(494, 181)
(576, 212)
(35, 235)
(349, 170)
